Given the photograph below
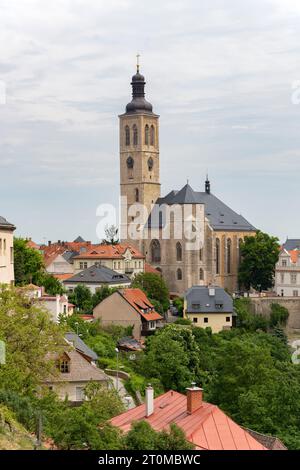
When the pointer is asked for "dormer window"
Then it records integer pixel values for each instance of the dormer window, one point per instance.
(63, 365)
(196, 306)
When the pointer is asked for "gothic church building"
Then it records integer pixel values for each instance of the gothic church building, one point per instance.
(216, 261)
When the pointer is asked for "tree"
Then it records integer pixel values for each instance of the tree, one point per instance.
(143, 437)
(179, 304)
(279, 315)
(111, 235)
(154, 286)
(28, 262)
(81, 297)
(259, 254)
(30, 337)
(50, 283)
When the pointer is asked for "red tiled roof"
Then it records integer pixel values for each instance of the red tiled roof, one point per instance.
(294, 254)
(140, 302)
(150, 269)
(207, 428)
(109, 251)
(62, 277)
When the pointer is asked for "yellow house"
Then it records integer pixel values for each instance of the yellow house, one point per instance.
(209, 307)
(6, 252)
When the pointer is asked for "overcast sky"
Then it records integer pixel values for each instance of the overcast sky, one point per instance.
(219, 73)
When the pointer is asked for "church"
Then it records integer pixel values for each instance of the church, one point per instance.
(191, 237)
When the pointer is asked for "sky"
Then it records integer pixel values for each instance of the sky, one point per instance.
(224, 76)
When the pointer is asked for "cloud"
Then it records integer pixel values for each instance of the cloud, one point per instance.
(219, 73)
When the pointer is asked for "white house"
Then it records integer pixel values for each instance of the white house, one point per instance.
(56, 305)
(287, 273)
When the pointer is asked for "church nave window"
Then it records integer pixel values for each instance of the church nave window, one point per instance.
(217, 256)
(201, 275)
(127, 135)
(137, 195)
(179, 275)
(178, 252)
(155, 251)
(228, 256)
(135, 135)
(146, 134)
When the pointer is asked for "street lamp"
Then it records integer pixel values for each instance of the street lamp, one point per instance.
(117, 383)
(77, 326)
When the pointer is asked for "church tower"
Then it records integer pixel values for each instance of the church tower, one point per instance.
(139, 152)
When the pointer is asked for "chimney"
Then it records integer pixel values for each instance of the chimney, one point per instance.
(49, 243)
(149, 400)
(194, 398)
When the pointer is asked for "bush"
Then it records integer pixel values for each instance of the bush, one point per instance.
(279, 315)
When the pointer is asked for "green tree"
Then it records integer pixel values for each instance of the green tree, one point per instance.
(28, 262)
(81, 297)
(30, 337)
(178, 303)
(154, 286)
(50, 283)
(143, 437)
(279, 315)
(259, 255)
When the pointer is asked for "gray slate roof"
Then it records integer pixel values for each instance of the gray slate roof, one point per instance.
(5, 224)
(220, 216)
(69, 255)
(80, 345)
(98, 275)
(199, 300)
(292, 244)
(79, 240)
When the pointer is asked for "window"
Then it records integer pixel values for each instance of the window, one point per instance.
(295, 293)
(201, 274)
(201, 254)
(130, 162)
(196, 306)
(293, 278)
(228, 256)
(136, 195)
(284, 263)
(0, 246)
(152, 136)
(205, 319)
(64, 366)
(146, 134)
(240, 250)
(150, 164)
(227, 319)
(85, 265)
(179, 275)
(80, 395)
(178, 251)
(155, 251)
(127, 135)
(282, 278)
(12, 255)
(217, 256)
(195, 320)
(219, 306)
(135, 134)
(152, 325)
(4, 245)
(65, 309)
(80, 265)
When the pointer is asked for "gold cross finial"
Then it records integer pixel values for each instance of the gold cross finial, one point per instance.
(138, 63)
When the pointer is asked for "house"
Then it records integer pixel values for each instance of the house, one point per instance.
(31, 291)
(209, 307)
(204, 424)
(287, 270)
(56, 305)
(76, 369)
(58, 256)
(96, 277)
(7, 229)
(129, 307)
(81, 347)
(122, 258)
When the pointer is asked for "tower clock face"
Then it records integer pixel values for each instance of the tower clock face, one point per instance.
(150, 163)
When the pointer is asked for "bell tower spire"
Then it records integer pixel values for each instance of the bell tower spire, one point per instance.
(139, 151)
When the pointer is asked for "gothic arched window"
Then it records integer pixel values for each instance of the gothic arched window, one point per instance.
(201, 274)
(155, 251)
(150, 163)
(137, 195)
(127, 135)
(152, 135)
(228, 256)
(240, 250)
(217, 256)
(178, 252)
(201, 254)
(146, 134)
(179, 275)
(135, 135)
